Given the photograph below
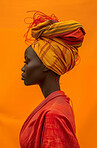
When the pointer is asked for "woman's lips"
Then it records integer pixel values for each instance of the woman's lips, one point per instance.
(22, 76)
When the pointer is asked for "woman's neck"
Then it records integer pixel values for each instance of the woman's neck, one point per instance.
(49, 85)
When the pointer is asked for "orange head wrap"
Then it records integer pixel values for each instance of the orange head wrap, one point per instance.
(56, 43)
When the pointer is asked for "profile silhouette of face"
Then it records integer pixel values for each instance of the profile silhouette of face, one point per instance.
(34, 69)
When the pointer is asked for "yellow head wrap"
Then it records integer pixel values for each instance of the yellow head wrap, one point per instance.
(56, 54)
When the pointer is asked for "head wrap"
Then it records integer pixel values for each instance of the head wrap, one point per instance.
(56, 44)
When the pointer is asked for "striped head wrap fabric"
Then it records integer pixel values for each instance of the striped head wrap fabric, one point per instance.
(70, 31)
(56, 43)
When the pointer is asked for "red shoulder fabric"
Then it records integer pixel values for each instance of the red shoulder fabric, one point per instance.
(58, 132)
(50, 125)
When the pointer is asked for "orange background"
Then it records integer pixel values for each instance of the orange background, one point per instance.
(17, 101)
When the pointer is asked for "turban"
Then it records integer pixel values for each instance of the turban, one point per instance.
(57, 43)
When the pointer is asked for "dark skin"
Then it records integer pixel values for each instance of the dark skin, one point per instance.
(35, 72)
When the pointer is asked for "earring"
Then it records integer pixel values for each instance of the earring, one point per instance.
(57, 80)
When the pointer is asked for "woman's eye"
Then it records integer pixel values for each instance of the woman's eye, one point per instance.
(26, 62)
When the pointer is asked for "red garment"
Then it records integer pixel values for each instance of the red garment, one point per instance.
(50, 125)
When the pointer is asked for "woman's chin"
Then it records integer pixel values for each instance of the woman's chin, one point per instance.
(26, 83)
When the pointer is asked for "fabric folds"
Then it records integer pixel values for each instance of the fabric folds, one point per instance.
(57, 43)
(50, 125)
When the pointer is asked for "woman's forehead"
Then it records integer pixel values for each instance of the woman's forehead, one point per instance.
(27, 50)
(25, 54)
(30, 53)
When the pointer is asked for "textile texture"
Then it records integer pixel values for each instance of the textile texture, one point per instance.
(57, 43)
(50, 125)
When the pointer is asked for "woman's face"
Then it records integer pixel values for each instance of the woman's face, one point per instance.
(33, 69)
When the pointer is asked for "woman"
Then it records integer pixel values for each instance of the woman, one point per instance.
(53, 53)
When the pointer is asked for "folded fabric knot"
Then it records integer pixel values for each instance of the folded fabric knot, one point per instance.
(71, 31)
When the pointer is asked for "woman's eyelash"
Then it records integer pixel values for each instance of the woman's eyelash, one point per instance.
(26, 62)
